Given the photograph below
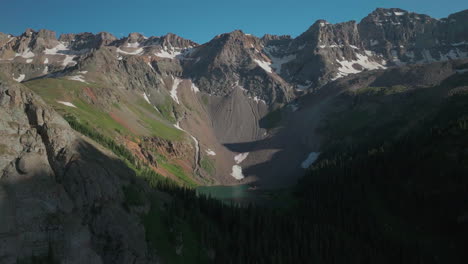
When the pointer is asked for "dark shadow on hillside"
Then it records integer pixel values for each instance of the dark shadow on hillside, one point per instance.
(289, 145)
(45, 210)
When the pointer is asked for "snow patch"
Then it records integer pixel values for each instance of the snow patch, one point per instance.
(175, 84)
(67, 104)
(46, 60)
(46, 70)
(399, 13)
(29, 60)
(277, 62)
(135, 52)
(241, 157)
(146, 98)
(258, 100)
(27, 54)
(369, 53)
(170, 54)
(68, 60)
(374, 42)
(79, 78)
(310, 160)
(60, 49)
(209, 152)
(20, 78)
(237, 172)
(133, 45)
(151, 66)
(194, 88)
(264, 65)
(346, 67)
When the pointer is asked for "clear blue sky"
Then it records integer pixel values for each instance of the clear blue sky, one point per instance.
(199, 20)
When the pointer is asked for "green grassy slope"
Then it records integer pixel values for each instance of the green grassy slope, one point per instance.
(97, 115)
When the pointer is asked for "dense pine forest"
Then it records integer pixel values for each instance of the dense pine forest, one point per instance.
(401, 201)
(398, 199)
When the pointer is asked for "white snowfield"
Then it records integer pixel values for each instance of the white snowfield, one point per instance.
(194, 88)
(67, 104)
(310, 160)
(277, 62)
(20, 78)
(175, 84)
(346, 67)
(133, 45)
(60, 49)
(258, 100)
(151, 66)
(135, 52)
(79, 78)
(170, 53)
(264, 65)
(69, 60)
(236, 169)
(209, 152)
(27, 54)
(241, 157)
(146, 98)
(237, 172)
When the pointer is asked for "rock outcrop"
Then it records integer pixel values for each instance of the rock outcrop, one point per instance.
(60, 193)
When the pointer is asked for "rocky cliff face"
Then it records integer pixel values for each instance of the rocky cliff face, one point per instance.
(60, 194)
(205, 108)
(268, 68)
(219, 93)
(236, 61)
(402, 37)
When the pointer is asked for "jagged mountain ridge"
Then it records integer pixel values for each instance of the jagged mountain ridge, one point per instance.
(206, 111)
(385, 38)
(217, 93)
